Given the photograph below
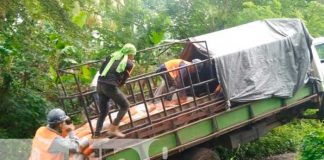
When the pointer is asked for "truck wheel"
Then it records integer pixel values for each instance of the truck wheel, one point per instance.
(201, 154)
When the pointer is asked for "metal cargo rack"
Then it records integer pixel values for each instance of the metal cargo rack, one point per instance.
(140, 90)
(184, 125)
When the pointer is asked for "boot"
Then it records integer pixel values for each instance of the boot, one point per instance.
(113, 130)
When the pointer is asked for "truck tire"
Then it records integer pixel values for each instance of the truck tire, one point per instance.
(200, 154)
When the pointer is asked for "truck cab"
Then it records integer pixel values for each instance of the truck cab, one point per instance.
(318, 52)
(318, 47)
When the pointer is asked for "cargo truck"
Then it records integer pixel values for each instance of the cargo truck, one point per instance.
(255, 77)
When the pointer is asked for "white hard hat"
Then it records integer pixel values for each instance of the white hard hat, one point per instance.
(56, 115)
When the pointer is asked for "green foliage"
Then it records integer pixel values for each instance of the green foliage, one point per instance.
(287, 138)
(38, 37)
(313, 16)
(313, 145)
(80, 19)
(253, 12)
(311, 12)
(22, 112)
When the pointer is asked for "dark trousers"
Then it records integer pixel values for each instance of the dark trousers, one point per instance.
(107, 92)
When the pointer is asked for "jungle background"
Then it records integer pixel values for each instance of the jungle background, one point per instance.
(39, 36)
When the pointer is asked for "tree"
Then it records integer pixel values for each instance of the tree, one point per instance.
(39, 36)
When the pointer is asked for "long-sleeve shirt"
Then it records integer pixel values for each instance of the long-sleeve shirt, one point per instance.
(67, 145)
(113, 77)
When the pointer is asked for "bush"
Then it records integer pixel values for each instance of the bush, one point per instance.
(287, 138)
(313, 146)
(22, 111)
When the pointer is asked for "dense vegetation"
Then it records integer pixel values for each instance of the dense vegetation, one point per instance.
(303, 136)
(39, 36)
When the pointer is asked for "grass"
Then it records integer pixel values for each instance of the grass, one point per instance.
(283, 139)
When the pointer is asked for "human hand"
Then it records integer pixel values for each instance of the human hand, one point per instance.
(68, 128)
(68, 125)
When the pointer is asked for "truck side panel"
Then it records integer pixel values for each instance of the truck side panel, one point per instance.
(215, 125)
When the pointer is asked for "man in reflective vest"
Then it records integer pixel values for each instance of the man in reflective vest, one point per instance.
(175, 78)
(48, 142)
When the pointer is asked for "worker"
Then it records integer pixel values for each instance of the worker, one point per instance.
(49, 143)
(173, 78)
(113, 73)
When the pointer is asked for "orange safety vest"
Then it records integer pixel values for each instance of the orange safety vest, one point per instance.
(173, 64)
(42, 141)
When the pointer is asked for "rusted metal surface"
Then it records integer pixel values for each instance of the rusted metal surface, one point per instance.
(83, 100)
(181, 115)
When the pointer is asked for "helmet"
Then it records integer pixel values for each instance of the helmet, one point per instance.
(200, 65)
(56, 115)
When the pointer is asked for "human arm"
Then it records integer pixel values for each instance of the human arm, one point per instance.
(129, 67)
(104, 64)
(182, 74)
(66, 145)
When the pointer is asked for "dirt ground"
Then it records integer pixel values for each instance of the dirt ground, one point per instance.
(286, 156)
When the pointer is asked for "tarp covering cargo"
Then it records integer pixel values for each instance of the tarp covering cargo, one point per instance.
(260, 59)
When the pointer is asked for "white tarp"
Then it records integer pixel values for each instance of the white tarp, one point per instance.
(260, 59)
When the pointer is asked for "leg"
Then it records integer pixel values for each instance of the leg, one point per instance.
(166, 79)
(179, 85)
(103, 99)
(120, 99)
(115, 94)
(172, 86)
(160, 90)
